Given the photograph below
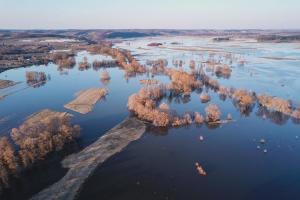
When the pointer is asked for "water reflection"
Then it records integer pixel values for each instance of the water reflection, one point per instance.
(274, 116)
(36, 79)
(244, 110)
(177, 98)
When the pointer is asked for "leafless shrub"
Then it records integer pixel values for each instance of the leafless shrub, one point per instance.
(63, 59)
(161, 119)
(164, 106)
(187, 117)
(224, 92)
(204, 97)
(223, 71)
(150, 104)
(123, 57)
(296, 114)
(84, 64)
(7, 154)
(177, 121)
(183, 82)
(43, 133)
(198, 118)
(213, 113)
(244, 100)
(161, 63)
(275, 104)
(68, 62)
(36, 79)
(213, 84)
(155, 92)
(209, 82)
(8, 162)
(200, 169)
(158, 66)
(142, 104)
(178, 63)
(137, 105)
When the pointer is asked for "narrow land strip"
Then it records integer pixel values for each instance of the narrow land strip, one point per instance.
(82, 164)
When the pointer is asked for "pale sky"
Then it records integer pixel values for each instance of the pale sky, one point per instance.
(126, 14)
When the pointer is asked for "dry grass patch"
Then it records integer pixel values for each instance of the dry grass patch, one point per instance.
(86, 100)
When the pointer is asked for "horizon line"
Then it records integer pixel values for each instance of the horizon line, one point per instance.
(182, 29)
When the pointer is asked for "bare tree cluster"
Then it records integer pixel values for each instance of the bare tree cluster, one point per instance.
(275, 104)
(84, 64)
(64, 60)
(40, 134)
(124, 58)
(8, 162)
(36, 79)
(213, 113)
(183, 82)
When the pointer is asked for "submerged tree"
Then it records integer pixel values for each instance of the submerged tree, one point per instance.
(36, 79)
(43, 133)
(213, 113)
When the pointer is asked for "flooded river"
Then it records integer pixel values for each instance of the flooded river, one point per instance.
(256, 156)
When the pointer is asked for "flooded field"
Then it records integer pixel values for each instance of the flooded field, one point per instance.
(246, 148)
